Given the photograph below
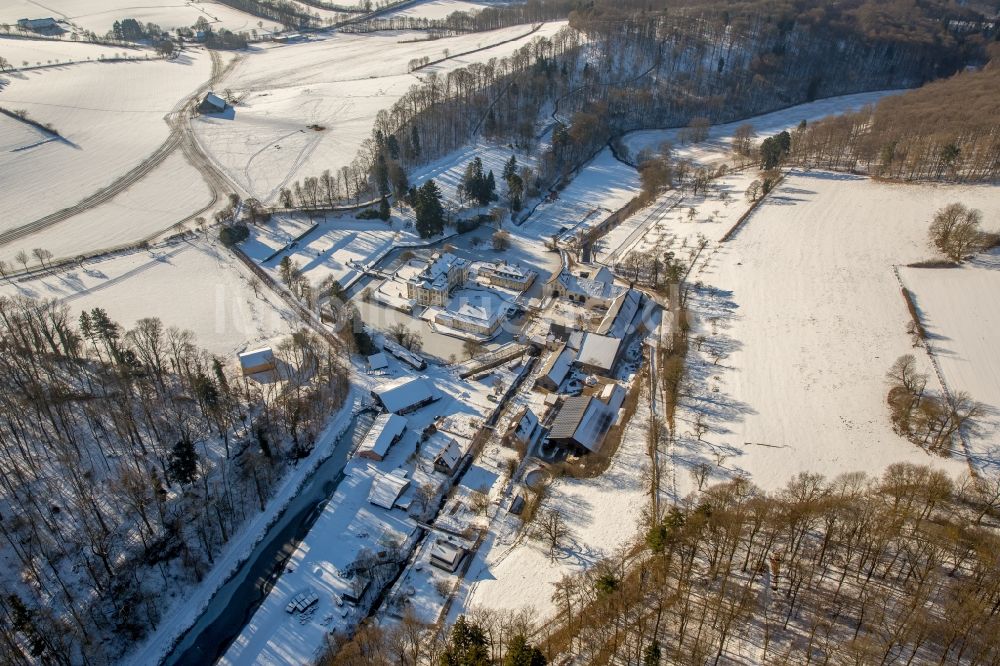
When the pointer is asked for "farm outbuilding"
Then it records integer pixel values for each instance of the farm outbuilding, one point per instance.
(406, 396)
(212, 103)
(257, 361)
(581, 424)
(385, 431)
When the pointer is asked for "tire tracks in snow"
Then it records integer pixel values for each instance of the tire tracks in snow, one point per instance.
(137, 173)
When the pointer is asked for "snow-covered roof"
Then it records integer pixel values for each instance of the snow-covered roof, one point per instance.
(524, 424)
(558, 364)
(406, 394)
(449, 455)
(613, 395)
(435, 275)
(599, 351)
(256, 358)
(620, 314)
(386, 488)
(384, 431)
(476, 307)
(600, 285)
(447, 552)
(584, 420)
(214, 100)
(378, 361)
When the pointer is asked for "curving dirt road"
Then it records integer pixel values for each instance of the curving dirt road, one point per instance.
(179, 136)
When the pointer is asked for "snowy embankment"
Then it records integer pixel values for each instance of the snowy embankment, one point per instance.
(961, 312)
(110, 118)
(717, 148)
(196, 285)
(798, 320)
(268, 143)
(31, 53)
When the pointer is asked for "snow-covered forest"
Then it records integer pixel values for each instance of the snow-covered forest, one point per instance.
(128, 459)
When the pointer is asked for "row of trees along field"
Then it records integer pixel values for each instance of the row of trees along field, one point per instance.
(947, 129)
(624, 66)
(898, 569)
(127, 459)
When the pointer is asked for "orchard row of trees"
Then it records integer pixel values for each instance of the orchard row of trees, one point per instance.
(948, 129)
(128, 457)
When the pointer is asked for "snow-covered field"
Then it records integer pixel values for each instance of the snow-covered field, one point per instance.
(960, 310)
(601, 187)
(110, 117)
(146, 208)
(437, 9)
(268, 143)
(194, 285)
(448, 171)
(100, 15)
(37, 52)
(719, 142)
(802, 316)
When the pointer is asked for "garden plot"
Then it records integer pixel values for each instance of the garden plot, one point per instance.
(668, 223)
(110, 117)
(100, 15)
(44, 52)
(340, 247)
(797, 322)
(961, 312)
(150, 206)
(195, 285)
(268, 142)
(718, 146)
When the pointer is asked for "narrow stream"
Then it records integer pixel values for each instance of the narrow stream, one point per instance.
(235, 603)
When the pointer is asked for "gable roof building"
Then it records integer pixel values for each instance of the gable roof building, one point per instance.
(598, 352)
(407, 395)
(556, 368)
(387, 488)
(386, 430)
(257, 360)
(581, 424)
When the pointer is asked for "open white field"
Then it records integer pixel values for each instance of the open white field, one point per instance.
(37, 52)
(172, 192)
(718, 146)
(802, 316)
(268, 144)
(110, 117)
(960, 310)
(602, 187)
(437, 9)
(99, 15)
(195, 285)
